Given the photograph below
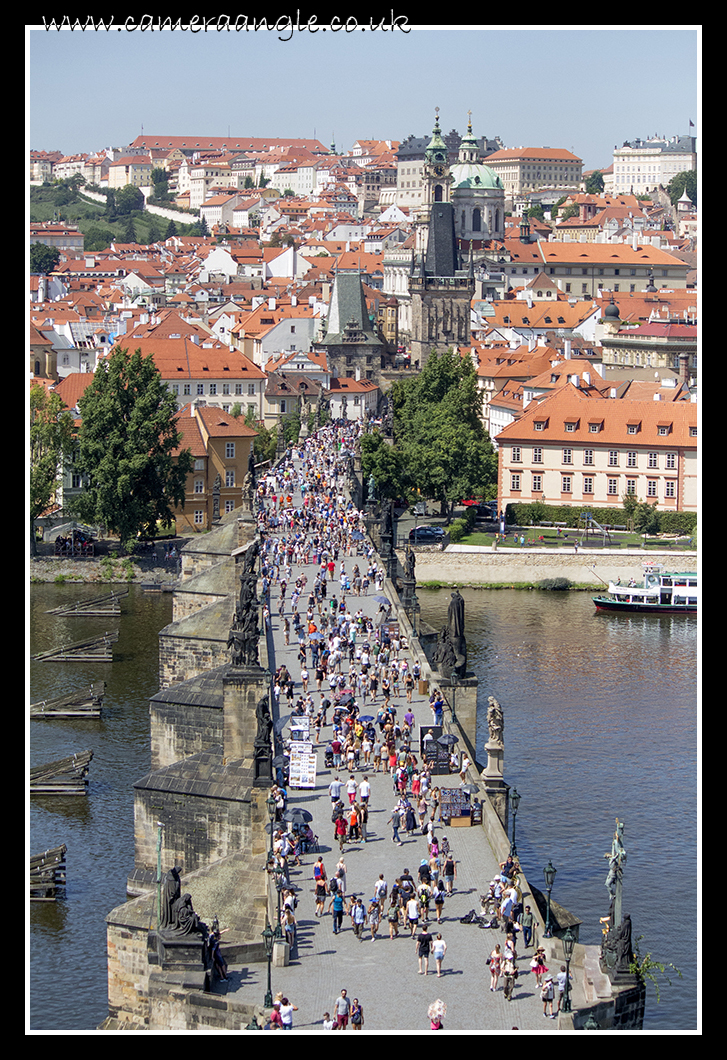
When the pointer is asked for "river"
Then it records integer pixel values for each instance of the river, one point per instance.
(600, 722)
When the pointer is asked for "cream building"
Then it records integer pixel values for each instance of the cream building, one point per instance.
(639, 166)
(574, 450)
(525, 169)
(132, 169)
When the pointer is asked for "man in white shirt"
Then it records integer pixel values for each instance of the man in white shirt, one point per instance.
(364, 790)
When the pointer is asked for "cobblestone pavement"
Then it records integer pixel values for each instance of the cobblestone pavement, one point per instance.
(383, 974)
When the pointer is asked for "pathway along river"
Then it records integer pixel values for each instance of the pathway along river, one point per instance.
(600, 722)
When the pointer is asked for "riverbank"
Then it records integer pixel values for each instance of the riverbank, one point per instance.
(486, 568)
(107, 566)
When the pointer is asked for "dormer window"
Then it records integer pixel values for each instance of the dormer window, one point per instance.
(595, 427)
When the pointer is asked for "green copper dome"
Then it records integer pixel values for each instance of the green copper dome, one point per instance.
(475, 175)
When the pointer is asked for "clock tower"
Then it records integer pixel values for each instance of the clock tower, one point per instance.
(436, 182)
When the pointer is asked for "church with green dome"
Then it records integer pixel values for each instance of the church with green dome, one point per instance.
(477, 195)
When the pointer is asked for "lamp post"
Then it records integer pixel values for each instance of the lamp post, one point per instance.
(270, 803)
(514, 803)
(453, 683)
(268, 938)
(569, 941)
(549, 874)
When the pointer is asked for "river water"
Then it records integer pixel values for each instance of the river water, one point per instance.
(600, 722)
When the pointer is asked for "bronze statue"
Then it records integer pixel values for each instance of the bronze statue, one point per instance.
(216, 497)
(171, 890)
(456, 632)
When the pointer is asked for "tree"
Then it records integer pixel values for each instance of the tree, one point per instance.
(43, 259)
(386, 464)
(129, 448)
(129, 199)
(686, 179)
(51, 439)
(446, 451)
(594, 184)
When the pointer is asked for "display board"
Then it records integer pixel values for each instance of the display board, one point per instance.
(434, 754)
(454, 803)
(303, 765)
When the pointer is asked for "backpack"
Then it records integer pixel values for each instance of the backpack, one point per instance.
(333, 885)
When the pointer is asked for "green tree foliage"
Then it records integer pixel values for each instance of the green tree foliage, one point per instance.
(51, 439)
(43, 259)
(446, 452)
(386, 464)
(686, 179)
(129, 199)
(128, 446)
(594, 184)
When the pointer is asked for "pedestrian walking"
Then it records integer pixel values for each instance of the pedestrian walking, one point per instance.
(424, 944)
(537, 965)
(358, 917)
(374, 918)
(342, 1010)
(526, 923)
(547, 995)
(449, 872)
(439, 948)
(357, 1017)
(395, 822)
(495, 963)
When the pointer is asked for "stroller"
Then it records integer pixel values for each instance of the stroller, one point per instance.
(328, 757)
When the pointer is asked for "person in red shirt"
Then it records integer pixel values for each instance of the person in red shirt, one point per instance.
(276, 1022)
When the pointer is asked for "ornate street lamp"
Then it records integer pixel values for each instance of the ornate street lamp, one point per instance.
(569, 941)
(514, 803)
(453, 682)
(270, 803)
(268, 938)
(549, 874)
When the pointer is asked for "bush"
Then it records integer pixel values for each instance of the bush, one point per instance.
(558, 584)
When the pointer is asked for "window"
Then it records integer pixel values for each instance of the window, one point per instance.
(187, 390)
(567, 456)
(230, 477)
(515, 483)
(653, 460)
(662, 429)
(613, 458)
(633, 428)
(199, 485)
(198, 517)
(631, 485)
(570, 427)
(539, 425)
(594, 428)
(229, 450)
(229, 505)
(537, 455)
(588, 456)
(200, 388)
(670, 488)
(213, 389)
(516, 454)
(238, 388)
(670, 461)
(613, 487)
(631, 459)
(199, 465)
(537, 483)
(251, 390)
(651, 488)
(566, 485)
(588, 484)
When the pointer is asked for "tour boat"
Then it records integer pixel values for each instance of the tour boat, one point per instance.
(661, 592)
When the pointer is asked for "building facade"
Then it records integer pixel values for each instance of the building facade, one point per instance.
(639, 166)
(526, 169)
(583, 451)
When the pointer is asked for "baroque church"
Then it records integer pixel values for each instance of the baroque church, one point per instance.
(463, 206)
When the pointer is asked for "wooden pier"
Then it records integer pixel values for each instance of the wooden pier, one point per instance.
(84, 703)
(47, 874)
(103, 606)
(67, 776)
(93, 649)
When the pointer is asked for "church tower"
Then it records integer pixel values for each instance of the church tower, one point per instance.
(441, 290)
(436, 182)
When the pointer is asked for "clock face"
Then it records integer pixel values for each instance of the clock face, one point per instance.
(439, 171)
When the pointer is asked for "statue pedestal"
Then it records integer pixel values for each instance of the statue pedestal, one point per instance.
(175, 952)
(495, 787)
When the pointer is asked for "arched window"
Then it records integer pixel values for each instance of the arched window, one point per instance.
(438, 192)
(476, 220)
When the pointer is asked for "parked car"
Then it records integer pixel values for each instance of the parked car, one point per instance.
(426, 535)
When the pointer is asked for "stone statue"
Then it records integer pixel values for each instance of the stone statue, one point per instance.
(171, 891)
(245, 632)
(264, 727)
(216, 497)
(411, 562)
(371, 488)
(444, 657)
(616, 857)
(495, 722)
(186, 921)
(456, 632)
(617, 951)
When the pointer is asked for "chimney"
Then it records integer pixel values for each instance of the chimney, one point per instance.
(566, 349)
(684, 367)
(271, 303)
(586, 378)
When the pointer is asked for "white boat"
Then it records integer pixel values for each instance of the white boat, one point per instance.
(661, 592)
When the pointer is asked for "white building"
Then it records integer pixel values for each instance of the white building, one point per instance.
(641, 165)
